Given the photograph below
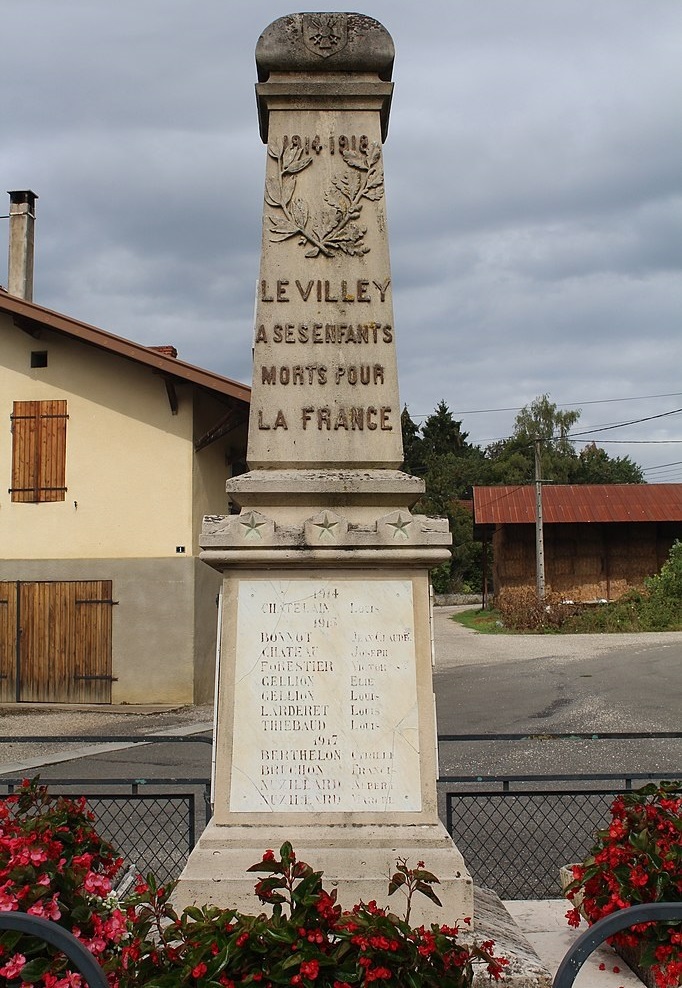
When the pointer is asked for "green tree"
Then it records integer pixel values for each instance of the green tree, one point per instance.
(512, 461)
(595, 466)
(441, 434)
(413, 458)
(450, 466)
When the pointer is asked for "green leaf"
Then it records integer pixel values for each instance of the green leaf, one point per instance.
(272, 866)
(429, 893)
(425, 876)
(35, 969)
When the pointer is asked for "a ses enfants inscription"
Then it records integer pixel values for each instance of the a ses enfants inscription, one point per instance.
(325, 706)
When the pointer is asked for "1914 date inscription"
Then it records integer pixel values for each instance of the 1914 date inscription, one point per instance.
(325, 708)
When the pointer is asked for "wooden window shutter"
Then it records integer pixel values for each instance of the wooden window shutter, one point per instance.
(39, 451)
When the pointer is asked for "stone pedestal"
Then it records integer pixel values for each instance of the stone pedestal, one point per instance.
(326, 732)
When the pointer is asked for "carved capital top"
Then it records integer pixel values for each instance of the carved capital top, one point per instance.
(325, 42)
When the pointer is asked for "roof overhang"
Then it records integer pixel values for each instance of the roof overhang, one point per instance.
(34, 319)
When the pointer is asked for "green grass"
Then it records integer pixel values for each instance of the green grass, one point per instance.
(486, 622)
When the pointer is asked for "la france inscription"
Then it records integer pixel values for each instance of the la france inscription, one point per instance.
(325, 705)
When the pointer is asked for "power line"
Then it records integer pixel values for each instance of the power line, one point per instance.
(564, 404)
(622, 425)
(662, 466)
(638, 442)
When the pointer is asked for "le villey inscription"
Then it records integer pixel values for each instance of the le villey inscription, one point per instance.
(325, 697)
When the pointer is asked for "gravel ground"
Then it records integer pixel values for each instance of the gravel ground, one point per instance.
(31, 720)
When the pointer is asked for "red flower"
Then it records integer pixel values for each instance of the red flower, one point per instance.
(199, 971)
(269, 855)
(573, 917)
(14, 966)
(377, 974)
(310, 969)
(638, 876)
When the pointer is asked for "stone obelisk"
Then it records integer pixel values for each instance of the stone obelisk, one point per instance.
(326, 732)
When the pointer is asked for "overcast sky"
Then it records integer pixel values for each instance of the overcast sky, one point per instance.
(533, 184)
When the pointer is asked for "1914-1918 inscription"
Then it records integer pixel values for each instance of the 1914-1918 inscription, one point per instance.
(325, 707)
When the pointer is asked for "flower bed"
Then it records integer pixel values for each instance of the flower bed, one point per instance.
(637, 858)
(52, 863)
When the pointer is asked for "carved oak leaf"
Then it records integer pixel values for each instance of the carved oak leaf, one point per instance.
(356, 160)
(337, 200)
(375, 194)
(348, 184)
(352, 233)
(328, 221)
(373, 155)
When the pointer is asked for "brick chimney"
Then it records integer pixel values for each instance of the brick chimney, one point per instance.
(22, 218)
(167, 350)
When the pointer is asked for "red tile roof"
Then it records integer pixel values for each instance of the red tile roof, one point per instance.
(578, 503)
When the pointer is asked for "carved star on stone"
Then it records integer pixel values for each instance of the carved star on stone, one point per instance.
(326, 529)
(250, 524)
(400, 527)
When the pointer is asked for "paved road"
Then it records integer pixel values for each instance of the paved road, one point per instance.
(539, 684)
(546, 684)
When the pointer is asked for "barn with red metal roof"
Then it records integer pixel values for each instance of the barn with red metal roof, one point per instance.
(600, 540)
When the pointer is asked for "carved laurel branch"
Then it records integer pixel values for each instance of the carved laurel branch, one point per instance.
(333, 228)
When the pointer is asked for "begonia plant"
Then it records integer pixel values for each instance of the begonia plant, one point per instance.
(637, 858)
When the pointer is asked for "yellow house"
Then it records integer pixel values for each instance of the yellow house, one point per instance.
(110, 454)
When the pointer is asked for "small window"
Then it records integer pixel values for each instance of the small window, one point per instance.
(38, 358)
(39, 451)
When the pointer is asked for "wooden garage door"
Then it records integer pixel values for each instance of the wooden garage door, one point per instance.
(8, 637)
(64, 653)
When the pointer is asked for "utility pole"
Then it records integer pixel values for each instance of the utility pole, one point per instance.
(539, 537)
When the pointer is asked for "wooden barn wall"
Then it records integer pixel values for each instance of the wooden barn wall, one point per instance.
(583, 561)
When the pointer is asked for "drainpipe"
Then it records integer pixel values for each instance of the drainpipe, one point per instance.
(22, 218)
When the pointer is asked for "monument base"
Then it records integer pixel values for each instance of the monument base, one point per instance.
(356, 860)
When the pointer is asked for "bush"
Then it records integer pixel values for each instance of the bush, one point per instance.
(307, 941)
(637, 858)
(52, 863)
(522, 611)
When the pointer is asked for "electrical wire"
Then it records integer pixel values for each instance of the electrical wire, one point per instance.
(565, 404)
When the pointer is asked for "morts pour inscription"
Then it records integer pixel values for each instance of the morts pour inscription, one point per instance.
(325, 697)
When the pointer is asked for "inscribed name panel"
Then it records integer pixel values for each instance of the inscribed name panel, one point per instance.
(325, 697)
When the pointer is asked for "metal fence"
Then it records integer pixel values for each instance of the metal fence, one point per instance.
(153, 831)
(516, 831)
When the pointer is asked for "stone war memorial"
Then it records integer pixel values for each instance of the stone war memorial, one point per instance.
(326, 732)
